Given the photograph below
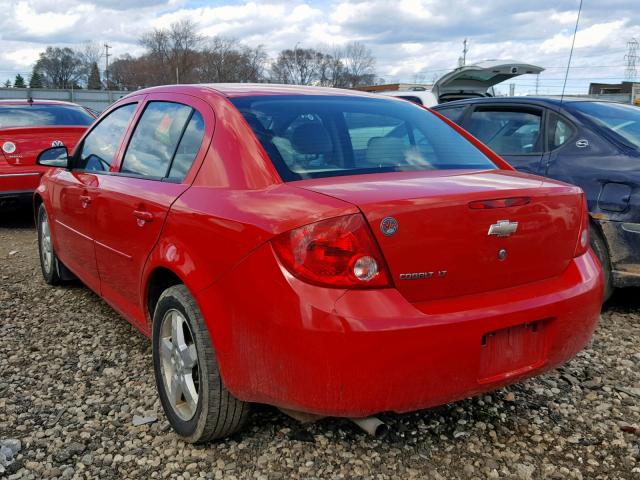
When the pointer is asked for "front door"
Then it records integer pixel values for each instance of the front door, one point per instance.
(513, 132)
(136, 198)
(75, 192)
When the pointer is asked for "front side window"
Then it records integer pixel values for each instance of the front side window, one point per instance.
(155, 139)
(37, 115)
(321, 136)
(507, 132)
(101, 144)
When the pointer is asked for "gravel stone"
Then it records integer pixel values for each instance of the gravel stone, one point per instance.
(74, 374)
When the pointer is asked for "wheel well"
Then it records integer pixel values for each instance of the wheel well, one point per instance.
(37, 201)
(159, 280)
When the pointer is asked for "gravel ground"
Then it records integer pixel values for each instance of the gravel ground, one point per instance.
(73, 375)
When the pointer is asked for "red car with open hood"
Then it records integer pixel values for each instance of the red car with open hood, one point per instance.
(329, 252)
(26, 128)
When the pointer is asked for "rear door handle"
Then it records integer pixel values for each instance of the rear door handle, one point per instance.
(143, 216)
(85, 200)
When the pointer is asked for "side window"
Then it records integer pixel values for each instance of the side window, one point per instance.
(452, 113)
(560, 131)
(187, 148)
(507, 132)
(155, 139)
(411, 98)
(100, 145)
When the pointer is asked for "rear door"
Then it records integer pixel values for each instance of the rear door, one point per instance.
(515, 132)
(73, 193)
(154, 170)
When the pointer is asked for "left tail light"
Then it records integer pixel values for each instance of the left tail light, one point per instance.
(338, 252)
(583, 236)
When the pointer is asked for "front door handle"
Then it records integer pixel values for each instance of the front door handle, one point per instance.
(85, 200)
(143, 216)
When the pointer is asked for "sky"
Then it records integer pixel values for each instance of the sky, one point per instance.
(412, 40)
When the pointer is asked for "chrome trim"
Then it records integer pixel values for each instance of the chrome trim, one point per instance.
(631, 227)
(19, 174)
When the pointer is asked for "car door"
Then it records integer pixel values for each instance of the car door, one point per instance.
(73, 193)
(135, 198)
(515, 132)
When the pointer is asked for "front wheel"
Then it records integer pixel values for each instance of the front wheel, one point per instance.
(49, 262)
(602, 252)
(196, 402)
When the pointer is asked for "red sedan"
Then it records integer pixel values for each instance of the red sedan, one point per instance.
(26, 128)
(324, 251)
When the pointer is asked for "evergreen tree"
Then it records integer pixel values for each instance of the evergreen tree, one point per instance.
(36, 79)
(94, 82)
(19, 82)
(7, 84)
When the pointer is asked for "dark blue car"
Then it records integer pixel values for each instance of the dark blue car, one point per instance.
(591, 143)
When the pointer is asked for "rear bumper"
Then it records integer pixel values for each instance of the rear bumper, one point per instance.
(18, 181)
(623, 240)
(356, 353)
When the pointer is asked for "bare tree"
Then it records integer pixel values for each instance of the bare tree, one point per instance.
(300, 66)
(60, 67)
(359, 64)
(226, 60)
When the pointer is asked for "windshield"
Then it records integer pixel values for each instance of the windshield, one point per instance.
(42, 115)
(322, 136)
(621, 119)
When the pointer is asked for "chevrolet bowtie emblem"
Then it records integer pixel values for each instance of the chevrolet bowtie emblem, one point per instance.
(503, 228)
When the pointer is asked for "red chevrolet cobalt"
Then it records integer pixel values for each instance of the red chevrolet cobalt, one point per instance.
(26, 128)
(328, 252)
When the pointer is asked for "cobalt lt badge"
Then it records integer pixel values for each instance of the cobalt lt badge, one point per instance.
(388, 226)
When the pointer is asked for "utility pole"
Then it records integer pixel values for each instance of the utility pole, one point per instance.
(512, 89)
(106, 70)
(631, 57)
(464, 52)
(177, 76)
(537, 83)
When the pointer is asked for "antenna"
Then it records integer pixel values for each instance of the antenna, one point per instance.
(573, 42)
(462, 61)
(631, 57)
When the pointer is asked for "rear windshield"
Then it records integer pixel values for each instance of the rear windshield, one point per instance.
(42, 115)
(624, 120)
(322, 136)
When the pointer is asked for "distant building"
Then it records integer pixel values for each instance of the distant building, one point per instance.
(627, 92)
(392, 87)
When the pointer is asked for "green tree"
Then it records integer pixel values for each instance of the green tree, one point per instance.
(94, 82)
(7, 84)
(36, 79)
(60, 67)
(19, 82)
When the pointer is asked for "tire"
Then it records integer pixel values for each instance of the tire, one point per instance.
(49, 263)
(196, 402)
(602, 252)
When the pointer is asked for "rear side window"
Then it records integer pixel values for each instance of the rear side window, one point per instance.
(322, 136)
(507, 132)
(35, 115)
(411, 98)
(155, 139)
(560, 131)
(187, 148)
(453, 113)
(101, 144)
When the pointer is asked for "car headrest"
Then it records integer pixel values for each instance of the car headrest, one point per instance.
(311, 139)
(385, 151)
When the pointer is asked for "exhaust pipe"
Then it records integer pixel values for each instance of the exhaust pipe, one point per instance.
(372, 425)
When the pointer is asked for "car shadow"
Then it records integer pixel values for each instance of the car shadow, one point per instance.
(16, 217)
(623, 300)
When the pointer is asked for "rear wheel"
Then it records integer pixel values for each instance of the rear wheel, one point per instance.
(600, 249)
(196, 402)
(49, 262)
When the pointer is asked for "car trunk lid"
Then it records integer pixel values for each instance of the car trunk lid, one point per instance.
(443, 246)
(477, 80)
(28, 142)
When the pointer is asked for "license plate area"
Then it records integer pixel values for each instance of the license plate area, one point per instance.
(513, 350)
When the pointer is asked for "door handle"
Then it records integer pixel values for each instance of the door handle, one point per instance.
(143, 216)
(85, 200)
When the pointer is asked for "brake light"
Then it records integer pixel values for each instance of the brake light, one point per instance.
(339, 252)
(583, 237)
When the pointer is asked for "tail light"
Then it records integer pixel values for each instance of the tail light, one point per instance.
(339, 252)
(583, 237)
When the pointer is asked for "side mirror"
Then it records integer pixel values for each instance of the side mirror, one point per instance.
(54, 157)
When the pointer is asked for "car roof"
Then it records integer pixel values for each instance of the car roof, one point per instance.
(257, 89)
(24, 101)
(534, 100)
